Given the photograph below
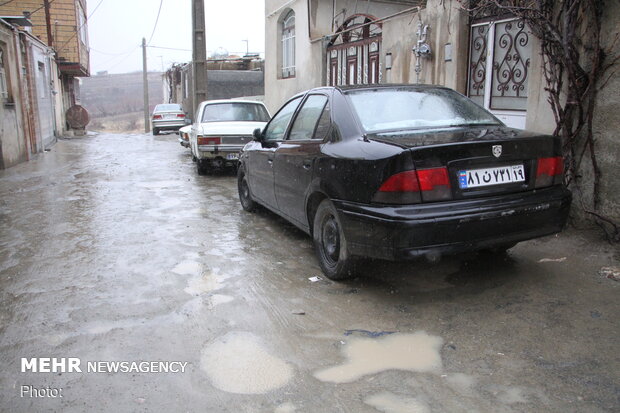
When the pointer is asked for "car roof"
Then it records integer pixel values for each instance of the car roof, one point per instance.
(211, 102)
(350, 88)
(388, 86)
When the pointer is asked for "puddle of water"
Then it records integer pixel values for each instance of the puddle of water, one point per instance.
(217, 299)
(238, 363)
(188, 268)
(287, 407)
(390, 403)
(205, 283)
(461, 382)
(510, 395)
(417, 352)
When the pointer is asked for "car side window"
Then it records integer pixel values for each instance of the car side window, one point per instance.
(276, 129)
(324, 124)
(306, 121)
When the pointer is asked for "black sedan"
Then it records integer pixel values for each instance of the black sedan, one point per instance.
(402, 171)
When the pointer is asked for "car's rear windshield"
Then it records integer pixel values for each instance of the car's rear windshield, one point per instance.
(410, 108)
(169, 106)
(223, 112)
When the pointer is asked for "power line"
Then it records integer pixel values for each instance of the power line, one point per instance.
(170, 48)
(111, 54)
(32, 12)
(77, 30)
(156, 21)
(127, 55)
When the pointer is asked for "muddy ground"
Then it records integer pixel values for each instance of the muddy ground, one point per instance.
(112, 248)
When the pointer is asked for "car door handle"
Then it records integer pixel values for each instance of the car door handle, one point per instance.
(270, 162)
(307, 166)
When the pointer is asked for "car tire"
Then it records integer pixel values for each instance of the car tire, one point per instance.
(202, 167)
(499, 249)
(245, 196)
(155, 131)
(330, 243)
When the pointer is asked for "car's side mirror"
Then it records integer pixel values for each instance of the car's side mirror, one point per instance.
(258, 135)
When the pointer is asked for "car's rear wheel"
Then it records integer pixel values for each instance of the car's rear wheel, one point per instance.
(245, 196)
(499, 249)
(155, 131)
(330, 243)
(202, 167)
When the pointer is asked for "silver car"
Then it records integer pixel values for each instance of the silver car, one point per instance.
(220, 130)
(168, 116)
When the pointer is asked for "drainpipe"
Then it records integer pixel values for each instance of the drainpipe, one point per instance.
(22, 99)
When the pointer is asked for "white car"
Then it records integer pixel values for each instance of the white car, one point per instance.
(221, 129)
(184, 135)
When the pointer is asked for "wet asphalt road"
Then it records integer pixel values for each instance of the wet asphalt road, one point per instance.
(112, 248)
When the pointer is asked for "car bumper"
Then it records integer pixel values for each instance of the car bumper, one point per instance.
(401, 232)
(228, 152)
(168, 125)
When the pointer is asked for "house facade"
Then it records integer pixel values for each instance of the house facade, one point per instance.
(495, 61)
(62, 26)
(226, 78)
(28, 80)
(44, 51)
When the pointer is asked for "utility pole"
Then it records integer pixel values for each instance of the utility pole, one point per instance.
(145, 85)
(247, 46)
(199, 54)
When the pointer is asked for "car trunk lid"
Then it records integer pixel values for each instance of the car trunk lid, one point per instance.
(480, 161)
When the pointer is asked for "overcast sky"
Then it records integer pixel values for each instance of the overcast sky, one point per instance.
(116, 29)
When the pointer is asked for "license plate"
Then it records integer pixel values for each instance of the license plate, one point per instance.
(472, 178)
(169, 116)
(232, 156)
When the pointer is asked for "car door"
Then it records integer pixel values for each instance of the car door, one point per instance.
(261, 155)
(294, 158)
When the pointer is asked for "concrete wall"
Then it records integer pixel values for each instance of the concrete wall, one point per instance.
(607, 121)
(447, 24)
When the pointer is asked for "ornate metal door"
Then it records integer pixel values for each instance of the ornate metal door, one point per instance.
(353, 53)
(499, 61)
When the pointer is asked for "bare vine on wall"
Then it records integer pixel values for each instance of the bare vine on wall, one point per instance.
(575, 67)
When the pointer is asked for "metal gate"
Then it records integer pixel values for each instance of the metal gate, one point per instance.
(499, 61)
(41, 68)
(353, 53)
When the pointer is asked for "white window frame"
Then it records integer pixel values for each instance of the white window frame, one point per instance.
(4, 86)
(83, 25)
(288, 45)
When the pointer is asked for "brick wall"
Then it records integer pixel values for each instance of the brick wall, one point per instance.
(64, 24)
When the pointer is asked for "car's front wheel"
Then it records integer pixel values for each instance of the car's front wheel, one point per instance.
(330, 243)
(245, 197)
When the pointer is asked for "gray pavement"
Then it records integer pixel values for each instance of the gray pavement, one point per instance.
(112, 248)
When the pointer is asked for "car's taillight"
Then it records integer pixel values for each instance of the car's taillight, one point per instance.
(434, 184)
(204, 140)
(415, 186)
(180, 115)
(550, 171)
(156, 116)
